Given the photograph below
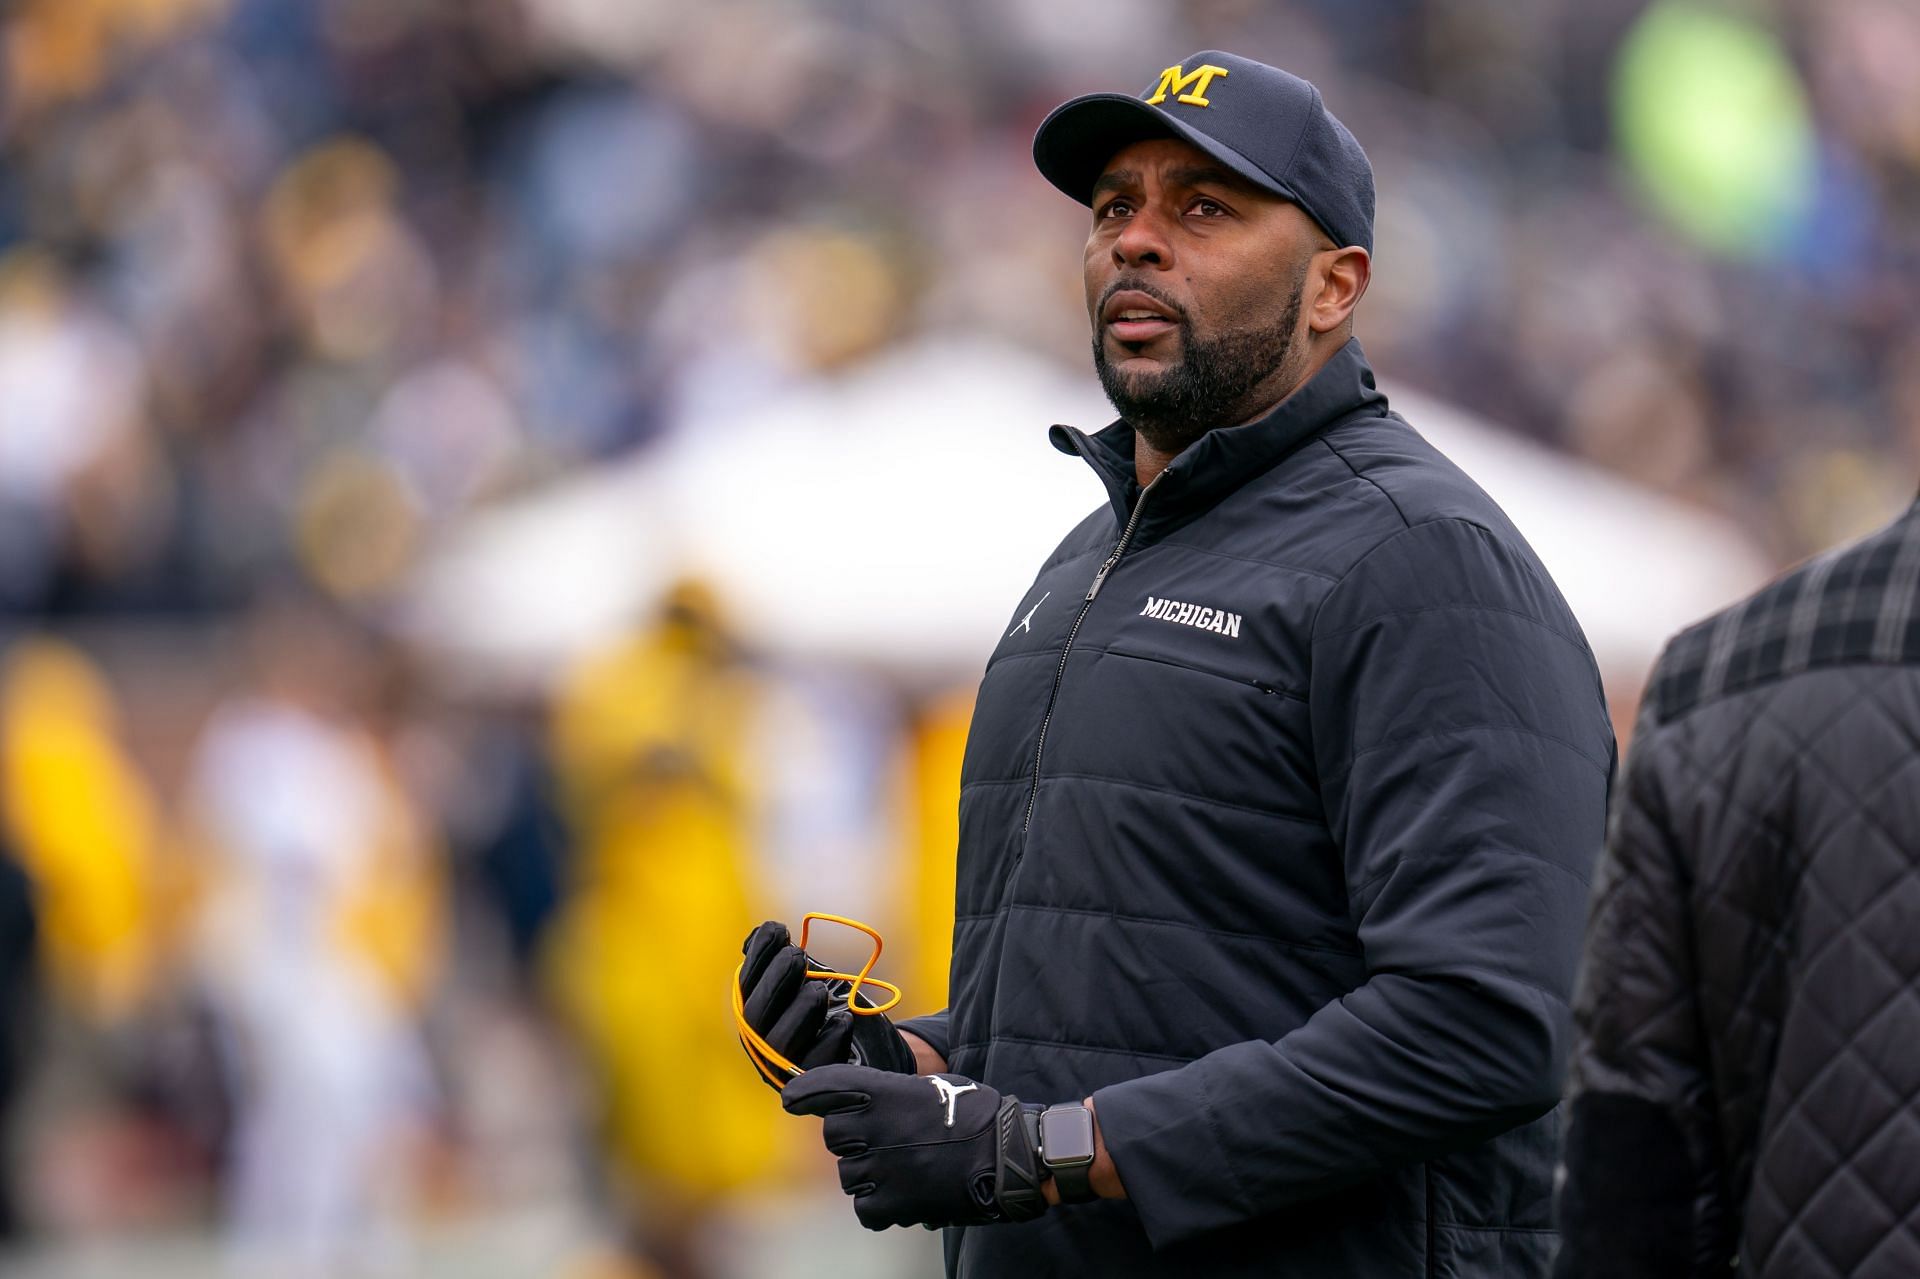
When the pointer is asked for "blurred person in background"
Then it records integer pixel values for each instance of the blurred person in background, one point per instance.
(85, 824)
(87, 827)
(1280, 796)
(76, 492)
(18, 997)
(508, 820)
(651, 746)
(1746, 1091)
(319, 941)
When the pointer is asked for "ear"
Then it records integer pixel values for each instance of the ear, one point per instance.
(1343, 275)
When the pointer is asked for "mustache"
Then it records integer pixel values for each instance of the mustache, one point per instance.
(1138, 285)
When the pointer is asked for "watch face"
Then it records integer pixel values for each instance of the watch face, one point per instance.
(1066, 1135)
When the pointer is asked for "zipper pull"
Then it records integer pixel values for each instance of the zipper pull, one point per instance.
(1100, 577)
(1126, 535)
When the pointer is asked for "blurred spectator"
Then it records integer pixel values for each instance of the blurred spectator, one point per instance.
(17, 999)
(75, 470)
(651, 745)
(82, 821)
(319, 943)
(516, 836)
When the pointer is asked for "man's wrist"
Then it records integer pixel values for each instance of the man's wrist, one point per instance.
(1102, 1175)
(926, 1061)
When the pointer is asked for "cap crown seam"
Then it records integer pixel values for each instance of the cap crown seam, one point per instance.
(1300, 139)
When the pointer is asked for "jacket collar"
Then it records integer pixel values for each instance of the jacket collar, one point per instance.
(1223, 459)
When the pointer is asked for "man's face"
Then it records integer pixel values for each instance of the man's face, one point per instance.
(1194, 280)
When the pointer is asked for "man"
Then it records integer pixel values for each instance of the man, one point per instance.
(1281, 791)
(1747, 1060)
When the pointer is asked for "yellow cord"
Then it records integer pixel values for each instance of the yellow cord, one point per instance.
(765, 1057)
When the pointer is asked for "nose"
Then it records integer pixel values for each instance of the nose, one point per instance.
(1143, 241)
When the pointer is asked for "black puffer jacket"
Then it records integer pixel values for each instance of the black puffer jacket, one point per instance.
(1277, 844)
(1747, 1076)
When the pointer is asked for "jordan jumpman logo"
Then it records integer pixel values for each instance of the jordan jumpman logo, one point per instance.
(949, 1093)
(1026, 623)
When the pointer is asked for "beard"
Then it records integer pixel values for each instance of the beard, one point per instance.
(1209, 386)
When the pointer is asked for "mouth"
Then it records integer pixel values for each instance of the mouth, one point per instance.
(1132, 316)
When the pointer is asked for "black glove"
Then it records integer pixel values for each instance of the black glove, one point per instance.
(805, 1018)
(933, 1150)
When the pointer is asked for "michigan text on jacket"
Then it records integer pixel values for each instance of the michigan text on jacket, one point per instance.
(1207, 619)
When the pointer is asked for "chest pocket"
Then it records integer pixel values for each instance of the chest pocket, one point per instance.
(1194, 653)
(1194, 680)
(1179, 709)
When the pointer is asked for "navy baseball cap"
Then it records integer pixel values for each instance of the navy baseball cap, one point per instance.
(1265, 124)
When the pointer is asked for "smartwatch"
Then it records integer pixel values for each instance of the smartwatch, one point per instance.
(1066, 1150)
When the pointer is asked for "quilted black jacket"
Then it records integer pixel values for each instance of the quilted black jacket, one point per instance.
(1747, 1075)
(1277, 815)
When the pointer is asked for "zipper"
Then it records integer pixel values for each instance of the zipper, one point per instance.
(1099, 579)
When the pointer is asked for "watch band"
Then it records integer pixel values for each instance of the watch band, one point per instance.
(1075, 1183)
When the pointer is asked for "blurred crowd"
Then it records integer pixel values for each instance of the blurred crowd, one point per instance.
(299, 942)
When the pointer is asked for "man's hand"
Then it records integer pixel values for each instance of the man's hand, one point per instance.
(935, 1150)
(795, 1014)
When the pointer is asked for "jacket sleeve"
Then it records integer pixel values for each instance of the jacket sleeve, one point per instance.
(1463, 753)
(1640, 1196)
(932, 1027)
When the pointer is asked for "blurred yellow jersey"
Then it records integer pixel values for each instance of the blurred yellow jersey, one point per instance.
(651, 747)
(83, 822)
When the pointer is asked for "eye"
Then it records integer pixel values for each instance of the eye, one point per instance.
(1208, 208)
(1116, 208)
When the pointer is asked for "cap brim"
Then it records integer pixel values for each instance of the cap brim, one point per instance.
(1074, 143)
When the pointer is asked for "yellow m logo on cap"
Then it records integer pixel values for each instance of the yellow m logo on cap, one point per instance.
(1172, 81)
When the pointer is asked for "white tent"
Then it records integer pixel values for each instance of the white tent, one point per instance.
(893, 516)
